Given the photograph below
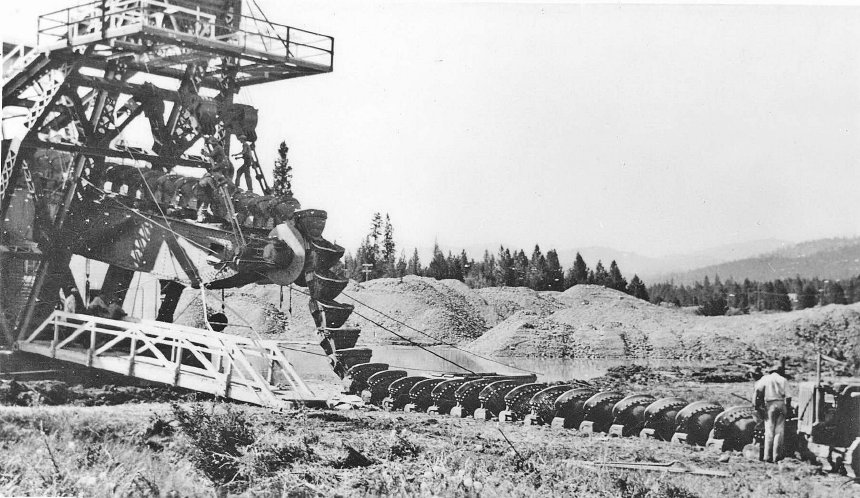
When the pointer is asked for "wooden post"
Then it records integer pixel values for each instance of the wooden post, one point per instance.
(818, 371)
(178, 365)
(132, 356)
(92, 350)
(56, 339)
(228, 377)
(271, 372)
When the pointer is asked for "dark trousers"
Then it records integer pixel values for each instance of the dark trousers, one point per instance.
(246, 170)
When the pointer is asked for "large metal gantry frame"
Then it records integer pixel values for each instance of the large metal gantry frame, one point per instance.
(82, 86)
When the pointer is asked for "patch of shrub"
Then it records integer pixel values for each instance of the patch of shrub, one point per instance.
(90, 456)
(156, 433)
(218, 441)
(263, 459)
(401, 447)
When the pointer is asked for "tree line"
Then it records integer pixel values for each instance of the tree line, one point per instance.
(719, 298)
(376, 257)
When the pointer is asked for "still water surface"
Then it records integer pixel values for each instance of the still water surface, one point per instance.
(447, 359)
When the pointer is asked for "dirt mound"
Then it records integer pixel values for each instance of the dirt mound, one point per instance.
(585, 321)
(253, 308)
(502, 302)
(604, 323)
(446, 310)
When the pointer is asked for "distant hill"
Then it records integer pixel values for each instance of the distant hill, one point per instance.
(836, 258)
(649, 268)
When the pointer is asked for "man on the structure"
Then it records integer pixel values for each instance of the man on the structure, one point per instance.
(247, 156)
(98, 306)
(210, 182)
(770, 401)
(115, 311)
(70, 300)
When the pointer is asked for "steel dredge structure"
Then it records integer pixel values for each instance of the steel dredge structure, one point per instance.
(70, 186)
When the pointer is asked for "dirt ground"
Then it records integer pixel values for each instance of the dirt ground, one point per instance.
(138, 448)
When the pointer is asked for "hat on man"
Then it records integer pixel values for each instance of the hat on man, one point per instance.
(778, 367)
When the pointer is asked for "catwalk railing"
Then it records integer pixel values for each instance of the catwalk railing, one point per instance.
(99, 19)
(219, 364)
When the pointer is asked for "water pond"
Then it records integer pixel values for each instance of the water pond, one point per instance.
(447, 359)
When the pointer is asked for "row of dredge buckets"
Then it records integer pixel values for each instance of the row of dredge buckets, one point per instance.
(823, 422)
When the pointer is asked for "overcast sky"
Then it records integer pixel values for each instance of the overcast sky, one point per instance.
(656, 129)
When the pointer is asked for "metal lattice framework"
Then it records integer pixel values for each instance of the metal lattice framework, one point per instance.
(211, 362)
(70, 185)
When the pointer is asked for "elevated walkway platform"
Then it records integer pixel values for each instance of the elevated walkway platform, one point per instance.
(162, 36)
(206, 361)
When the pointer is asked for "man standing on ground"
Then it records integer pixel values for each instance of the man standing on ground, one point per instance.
(770, 400)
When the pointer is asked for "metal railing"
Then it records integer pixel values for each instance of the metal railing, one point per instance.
(97, 19)
(206, 361)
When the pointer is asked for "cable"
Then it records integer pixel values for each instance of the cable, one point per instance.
(400, 367)
(151, 220)
(383, 327)
(437, 339)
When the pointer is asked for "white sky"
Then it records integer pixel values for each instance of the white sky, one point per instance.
(651, 128)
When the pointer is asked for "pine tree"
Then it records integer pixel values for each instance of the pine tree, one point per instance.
(388, 245)
(402, 265)
(833, 294)
(488, 270)
(637, 288)
(521, 268)
(601, 276)
(808, 297)
(505, 275)
(455, 268)
(713, 305)
(536, 276)
(351, 267)
(768, 296)
(375, 234)
(781, 301)
(414, 266)
(438, 267)
(283, 173)
(615, 280)
(554, 272)
(578, 272)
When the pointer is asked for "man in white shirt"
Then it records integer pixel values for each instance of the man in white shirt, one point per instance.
(70, 301)
(770, 399)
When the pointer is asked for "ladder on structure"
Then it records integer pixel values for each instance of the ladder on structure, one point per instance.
(219, 364)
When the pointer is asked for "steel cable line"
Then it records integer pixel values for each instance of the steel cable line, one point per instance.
(436, 338)
(383, 327)
(401, 367)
